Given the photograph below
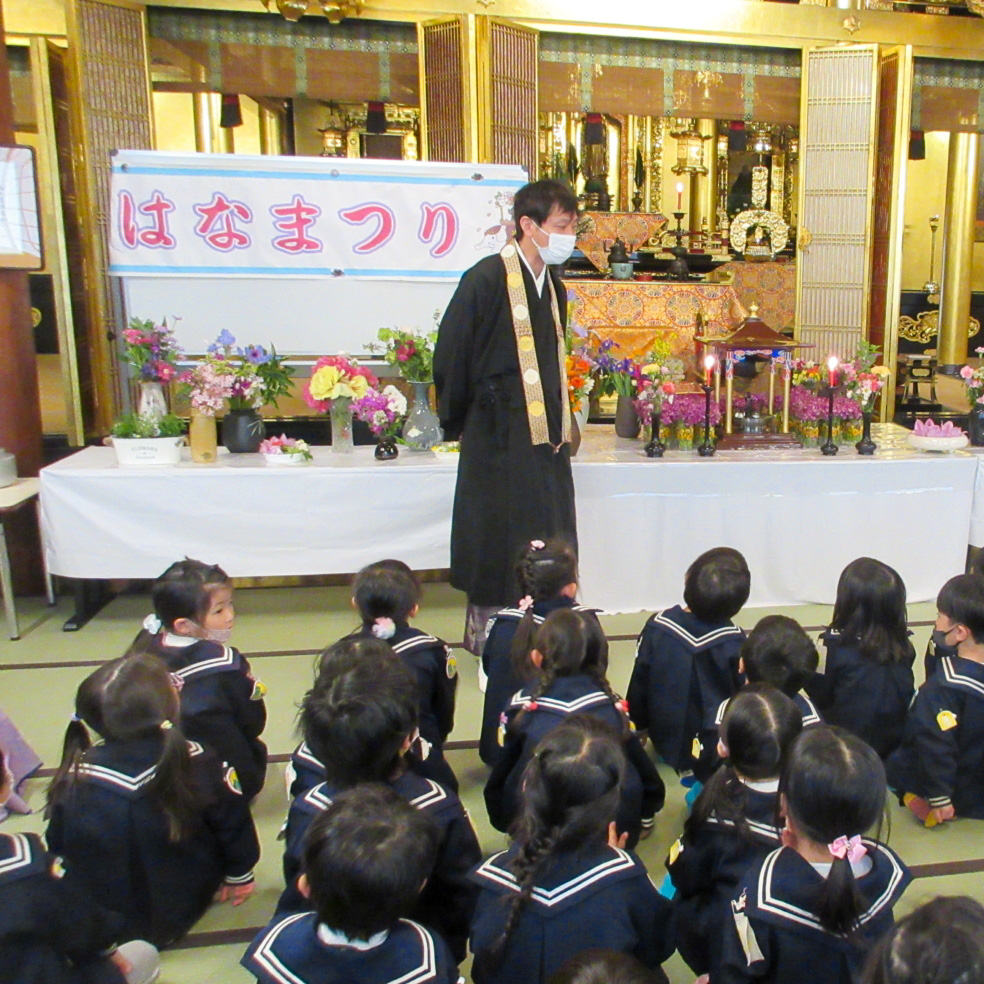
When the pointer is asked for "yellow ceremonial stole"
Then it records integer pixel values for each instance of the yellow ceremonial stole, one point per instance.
(529, 368)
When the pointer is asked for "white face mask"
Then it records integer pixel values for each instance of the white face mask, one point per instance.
(217, 635)
(558, 249)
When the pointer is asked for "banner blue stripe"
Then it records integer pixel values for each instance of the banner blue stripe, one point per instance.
(115, 268)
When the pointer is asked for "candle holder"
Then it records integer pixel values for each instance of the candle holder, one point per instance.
(678, 269)
(829, 447)
(655, 447)
(707, 449)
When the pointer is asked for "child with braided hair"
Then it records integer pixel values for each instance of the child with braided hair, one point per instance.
(570, 657)
(567, 883)
(547, 576)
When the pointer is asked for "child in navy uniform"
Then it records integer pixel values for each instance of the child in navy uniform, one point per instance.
(222, 704)
(360, 726)
(936, 648)
(547, 576)
(50, 932)
(938, 769)
(569, 683)
(733, 823)
(687, 657)
(387, 597)
(812, 909)
(153, 826)
(567, 884)
(866, 685)
(365, 860)
(305, 770)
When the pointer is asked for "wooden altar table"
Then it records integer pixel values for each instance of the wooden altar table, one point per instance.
(799, 518)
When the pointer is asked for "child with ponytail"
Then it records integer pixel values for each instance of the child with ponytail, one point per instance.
(547, 576)
(733, 823)
(569, 656)
(815, 906)
(150, 824)
(222, 702)
(567, 884)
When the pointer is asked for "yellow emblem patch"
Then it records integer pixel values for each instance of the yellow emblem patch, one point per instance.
(259, 690)
(451, 666)
(232, 780)
(946, 720)
(676, 850)
(696, 749)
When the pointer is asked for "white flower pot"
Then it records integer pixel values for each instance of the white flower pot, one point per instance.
(147, 451)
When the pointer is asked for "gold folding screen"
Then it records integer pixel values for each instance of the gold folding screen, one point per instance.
(109, 89)
(837, 155)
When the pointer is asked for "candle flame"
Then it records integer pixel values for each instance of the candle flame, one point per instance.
(708, 361)
(833, 362)
(679, 187)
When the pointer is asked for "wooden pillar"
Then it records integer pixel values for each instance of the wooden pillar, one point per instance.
(20, 409)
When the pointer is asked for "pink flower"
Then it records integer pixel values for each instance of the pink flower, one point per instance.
(966, 372)
(668, 388)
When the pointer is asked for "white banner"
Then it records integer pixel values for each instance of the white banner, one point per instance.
(214, 215)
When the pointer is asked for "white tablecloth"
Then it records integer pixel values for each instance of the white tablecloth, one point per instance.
(797, 517)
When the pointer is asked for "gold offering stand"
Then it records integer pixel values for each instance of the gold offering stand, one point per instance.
(753, 337)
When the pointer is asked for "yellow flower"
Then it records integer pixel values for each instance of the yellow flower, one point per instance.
(359, 386)
(325, 383)
(652, 367)
(881, 370)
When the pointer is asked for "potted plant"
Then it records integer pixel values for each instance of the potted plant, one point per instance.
(145, 439)
(152, 353)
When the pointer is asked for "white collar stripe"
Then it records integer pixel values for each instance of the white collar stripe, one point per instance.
(567, 706)
(714, 635)
(433, 795)
(268, 960)
(421, 641)
(227, 658)
(428, 965)
(306, 755)
(317, 797)
(767, 829)
(959, 678)
(116, 778)
(20, 857)
(551, 897)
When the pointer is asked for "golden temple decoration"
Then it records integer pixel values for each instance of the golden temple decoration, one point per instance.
(923, 328)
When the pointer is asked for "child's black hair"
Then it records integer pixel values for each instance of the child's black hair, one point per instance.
(758, 728)
(543, 570)
(834, 786)
(366, 859)
(870, 610)
(942, 942)
(185, 590)
(605, 967)
(385, 590)
(356, 724)
(961, 600)
(778, 651)
(716, 585)
(344, 653)
(570, 790)
(130, 698)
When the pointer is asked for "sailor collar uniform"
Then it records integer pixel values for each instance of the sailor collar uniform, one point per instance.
(775, 933)
(597, 898)
(290, 950)
(502, 682)
(304, 771)
(448, 898)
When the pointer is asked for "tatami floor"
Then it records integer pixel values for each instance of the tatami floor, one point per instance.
(281, 629)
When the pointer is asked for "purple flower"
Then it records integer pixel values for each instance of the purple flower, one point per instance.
(257, 355)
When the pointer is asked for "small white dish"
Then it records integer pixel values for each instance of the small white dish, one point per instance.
(944, 444)
(286, 460)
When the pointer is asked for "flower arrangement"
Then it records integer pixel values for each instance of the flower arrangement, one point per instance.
(974, 380)
(256, 376)
(289, 446)
(410, 351)
(151, 350)
(207, 388)
(615, 376)
(135, 425)
(580, 382)
(384, 411)
(337, 377)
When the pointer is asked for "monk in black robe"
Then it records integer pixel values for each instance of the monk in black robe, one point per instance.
(514, 476)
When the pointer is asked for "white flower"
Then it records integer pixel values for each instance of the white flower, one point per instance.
(397, 401)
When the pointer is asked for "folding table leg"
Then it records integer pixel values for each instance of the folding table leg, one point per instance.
(49, 587)
(7, 586)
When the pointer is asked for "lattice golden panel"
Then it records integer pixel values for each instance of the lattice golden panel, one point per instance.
(514, 56)
(444, 86)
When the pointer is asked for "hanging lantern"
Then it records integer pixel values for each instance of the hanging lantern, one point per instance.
(690, 151)
(333, 134)
(762, 142)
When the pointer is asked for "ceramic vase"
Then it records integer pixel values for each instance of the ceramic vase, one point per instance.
(627, 423)
(152, 402)
(242, 431)
(203, 439)
(422, 429)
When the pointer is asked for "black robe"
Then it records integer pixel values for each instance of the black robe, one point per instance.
(509, 491)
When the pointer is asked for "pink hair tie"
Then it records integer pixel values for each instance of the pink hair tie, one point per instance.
(537, 544)
(384, 628)
(850, 848)
(525, 603)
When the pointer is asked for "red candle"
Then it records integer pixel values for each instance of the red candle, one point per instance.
(832, 363)
(679, 196)
(708, 367)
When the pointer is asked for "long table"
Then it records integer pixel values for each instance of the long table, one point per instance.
(799, 518)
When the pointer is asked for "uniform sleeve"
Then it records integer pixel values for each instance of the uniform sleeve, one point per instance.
(934, 719)
(251, 712)
(652, 918)
(691, 864)
(54, 834)
(638, 693)
(746, 949)
(453, 357)
(444, 688)
(653, 790)
(84, 928)
(229, 819)
(495, 787)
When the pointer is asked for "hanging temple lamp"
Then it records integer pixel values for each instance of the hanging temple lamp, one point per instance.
(335, 10)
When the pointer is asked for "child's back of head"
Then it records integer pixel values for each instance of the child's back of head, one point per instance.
(870, 610)
(345, 653)
(942, 942)
(385, 591)
(961, 600)
(716, 585)
(778, 652)
(357, 723)
(561, 641)
(605, 967)
(833, 788)
(366, 859)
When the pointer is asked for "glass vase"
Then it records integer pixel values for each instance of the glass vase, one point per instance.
(340, 415)
(422, 429)
(203, 440)
(152, 402)
(685, 436)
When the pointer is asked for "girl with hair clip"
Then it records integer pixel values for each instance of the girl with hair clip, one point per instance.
(547, 576)
(567, 883)
(867, 685)
(305, 770)
(733, 823)
(570, 657)
(387, 596)
(222, 702)
(822, 899)
(150, 824)
(50, 931)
